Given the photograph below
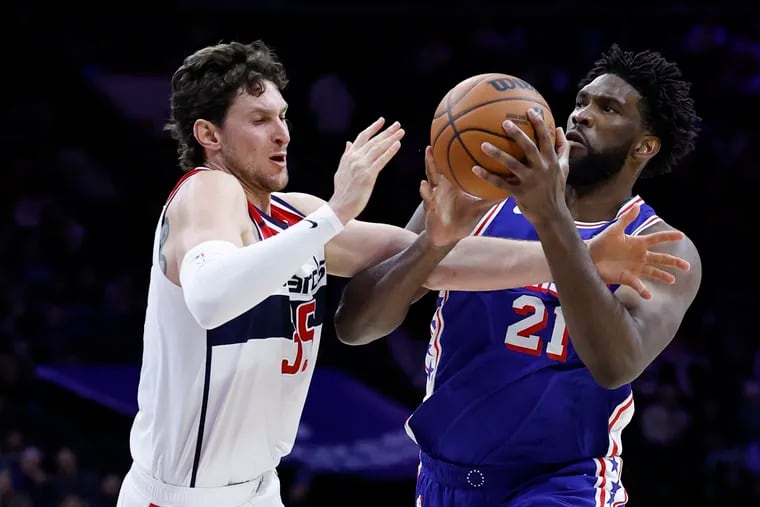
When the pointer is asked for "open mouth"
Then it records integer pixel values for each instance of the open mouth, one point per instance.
(279, 158)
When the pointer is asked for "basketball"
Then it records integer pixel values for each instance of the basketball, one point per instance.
(473, 112)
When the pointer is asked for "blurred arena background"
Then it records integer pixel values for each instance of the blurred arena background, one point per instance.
(87, 167)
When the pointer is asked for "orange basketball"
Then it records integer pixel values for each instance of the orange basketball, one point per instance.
(473, 112)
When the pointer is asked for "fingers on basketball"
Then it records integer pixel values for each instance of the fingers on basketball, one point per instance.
(426, 192)
(431, 171)
(543, 133)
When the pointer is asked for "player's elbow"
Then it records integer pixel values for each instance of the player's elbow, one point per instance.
(352, 329)
(441, 278)
(608, 380)
(206, 310)
(206, 317)
(346, 329)
(350, 338)
(345, 334)
(611, 375)
(353, 339)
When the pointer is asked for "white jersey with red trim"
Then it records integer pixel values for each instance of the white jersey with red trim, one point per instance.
(221, 406)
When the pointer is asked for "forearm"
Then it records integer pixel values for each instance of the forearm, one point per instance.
(376, 301)
(602, 331)
(221, 281)
(483, 263)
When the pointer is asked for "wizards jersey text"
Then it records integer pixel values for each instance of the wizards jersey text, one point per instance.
(221, 406)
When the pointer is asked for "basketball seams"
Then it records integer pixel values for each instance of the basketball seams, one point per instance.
(472, 157)
(449, 105)
(457, 132)
(452, 118)
(467, 92)
(466, 150)
(501, 135)
(448, 161)
(467, 130)
(445, 101)
(448, 150)
(493, 101)
(454, 129)
(447, 98)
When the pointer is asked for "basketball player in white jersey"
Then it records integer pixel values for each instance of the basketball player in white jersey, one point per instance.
(236, 297)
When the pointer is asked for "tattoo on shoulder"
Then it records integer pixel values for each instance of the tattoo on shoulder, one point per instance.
(162, 242)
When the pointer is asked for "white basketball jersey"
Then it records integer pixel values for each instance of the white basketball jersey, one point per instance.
(222, 406)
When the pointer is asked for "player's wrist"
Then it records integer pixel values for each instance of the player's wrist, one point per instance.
(435, 246)
(327, 215)
(341, 211)
(551, 219)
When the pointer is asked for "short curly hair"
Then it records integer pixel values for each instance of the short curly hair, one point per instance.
(206, 84)
(666, 106)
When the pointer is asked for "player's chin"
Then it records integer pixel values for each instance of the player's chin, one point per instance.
(577, 150)
(280, 181)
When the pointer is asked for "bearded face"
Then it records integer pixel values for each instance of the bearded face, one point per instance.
(594, 166)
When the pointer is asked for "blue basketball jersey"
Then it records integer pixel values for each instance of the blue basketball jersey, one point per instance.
(505, 386)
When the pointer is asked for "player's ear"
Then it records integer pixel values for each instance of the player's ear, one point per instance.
(647, 147)
(206, 133)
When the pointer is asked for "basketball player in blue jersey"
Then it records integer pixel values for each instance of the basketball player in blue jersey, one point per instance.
(529, 389)
(237, 288)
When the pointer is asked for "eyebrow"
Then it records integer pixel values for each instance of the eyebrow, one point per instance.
(264, 110)
(600, 96)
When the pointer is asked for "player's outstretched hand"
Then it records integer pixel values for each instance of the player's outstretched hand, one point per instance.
(625, 260)
(359, 166)
(450, 213)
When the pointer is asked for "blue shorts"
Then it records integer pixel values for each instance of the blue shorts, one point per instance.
(591, 483)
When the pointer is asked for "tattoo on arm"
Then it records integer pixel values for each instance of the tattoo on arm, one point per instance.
(162, 242)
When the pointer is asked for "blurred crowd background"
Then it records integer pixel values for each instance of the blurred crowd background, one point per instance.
(87, 167)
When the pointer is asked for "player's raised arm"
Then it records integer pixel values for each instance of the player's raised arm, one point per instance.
(220, 278)
(377, 299)
(640, 329)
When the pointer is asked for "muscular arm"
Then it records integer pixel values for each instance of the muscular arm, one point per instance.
(221, 278)
(367, 250)
(377, 300)
(360, 244)
(616, 335)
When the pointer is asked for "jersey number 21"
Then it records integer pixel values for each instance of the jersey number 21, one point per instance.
(522, 336)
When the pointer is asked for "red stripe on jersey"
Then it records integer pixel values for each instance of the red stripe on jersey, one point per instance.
(258, 219)
(636, 200)
(484, 222)
(283, 214)
(182, 180)
(614, 419)
(603, 474)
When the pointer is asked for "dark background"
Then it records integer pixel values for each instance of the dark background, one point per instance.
(86, 169)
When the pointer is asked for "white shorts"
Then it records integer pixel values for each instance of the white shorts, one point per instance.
(140, 490)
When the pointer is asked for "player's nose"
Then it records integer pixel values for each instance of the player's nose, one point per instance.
(581, 116)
